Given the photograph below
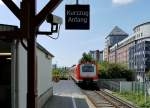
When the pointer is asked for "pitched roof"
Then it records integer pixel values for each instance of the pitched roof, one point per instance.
(117, 32)
(44, 50)
(5, 27)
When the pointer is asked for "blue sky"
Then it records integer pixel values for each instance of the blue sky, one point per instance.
(105, 14)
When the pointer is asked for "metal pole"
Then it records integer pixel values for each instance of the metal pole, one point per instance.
(77, 2)
(29, 29)
(29, 24)
(32, 75)
(32, 71)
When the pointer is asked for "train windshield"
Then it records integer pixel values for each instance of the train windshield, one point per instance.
(87, 68)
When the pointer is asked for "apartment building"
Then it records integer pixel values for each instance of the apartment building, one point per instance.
(133, 51)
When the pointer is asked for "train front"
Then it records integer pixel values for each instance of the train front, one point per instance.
(88, 73)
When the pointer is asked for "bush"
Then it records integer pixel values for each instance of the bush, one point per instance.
(60, 74)
(56, 72)
(112, 71)
(103, 69)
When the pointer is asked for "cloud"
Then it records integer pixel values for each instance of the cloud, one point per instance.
(122, 2)
(1, 3)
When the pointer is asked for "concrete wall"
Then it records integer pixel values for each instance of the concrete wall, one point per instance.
(22, 76)
(44, 72)
(44, 76)
(44, 67)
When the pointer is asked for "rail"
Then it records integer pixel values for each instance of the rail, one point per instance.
(102, 99)
(115, 100)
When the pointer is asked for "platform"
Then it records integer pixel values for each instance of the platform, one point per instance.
(67, 95)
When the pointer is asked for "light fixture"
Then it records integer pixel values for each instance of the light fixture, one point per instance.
(5, 54)
(55, 22)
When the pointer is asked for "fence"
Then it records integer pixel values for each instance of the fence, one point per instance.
(121, 85)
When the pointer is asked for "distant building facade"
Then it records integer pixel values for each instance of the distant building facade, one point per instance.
(54, 66)
(106, 53)
(101, 56)
(97, 55)
(115, 36)
(133, 51)
(139, 57)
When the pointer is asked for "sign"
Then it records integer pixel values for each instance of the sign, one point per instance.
(77, 17)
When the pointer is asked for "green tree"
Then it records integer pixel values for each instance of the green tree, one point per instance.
(86, 58)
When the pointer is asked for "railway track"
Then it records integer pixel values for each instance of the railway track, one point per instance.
(103, 99)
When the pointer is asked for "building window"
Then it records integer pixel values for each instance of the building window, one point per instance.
(141, 34)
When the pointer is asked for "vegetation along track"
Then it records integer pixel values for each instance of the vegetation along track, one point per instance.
(103, 99)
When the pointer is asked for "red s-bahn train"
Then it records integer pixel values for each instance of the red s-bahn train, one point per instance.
(85, 73)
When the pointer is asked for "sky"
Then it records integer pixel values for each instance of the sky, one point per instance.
(104, 15)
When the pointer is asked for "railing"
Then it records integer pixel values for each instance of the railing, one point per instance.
(121, 85)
